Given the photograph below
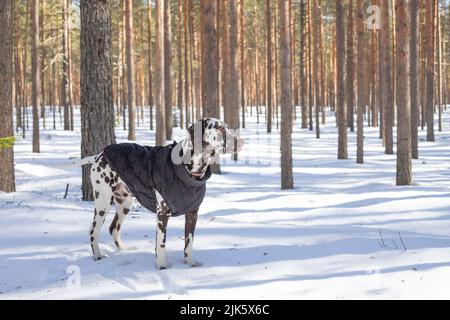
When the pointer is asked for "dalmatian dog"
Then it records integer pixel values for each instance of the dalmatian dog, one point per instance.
(109, 189)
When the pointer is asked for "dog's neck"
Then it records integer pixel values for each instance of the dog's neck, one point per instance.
(199, 161)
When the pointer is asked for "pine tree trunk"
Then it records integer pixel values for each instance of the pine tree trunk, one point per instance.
(149, 65)
(430, 70)
(210, 83)
(97, 108)
(361, 94)
(404, 175)
(350, 69)
(35, 73)
(234, 75)
(159, 75)
(180, 65)
(167, 70)
(414, 84)
(303, 87)
(287, 180)
(65, 65)
(7, 179)
(269, 65)
(388, 95)
(129, 48)
(340, 79)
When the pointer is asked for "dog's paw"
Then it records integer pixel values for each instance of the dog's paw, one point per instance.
(193, 263)
(163, 266)
(98, 258)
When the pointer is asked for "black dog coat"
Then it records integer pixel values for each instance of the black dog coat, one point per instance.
(146, 169)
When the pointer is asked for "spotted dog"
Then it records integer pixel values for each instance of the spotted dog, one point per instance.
(190, 160)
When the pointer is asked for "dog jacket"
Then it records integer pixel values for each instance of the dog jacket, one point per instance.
(146, 169)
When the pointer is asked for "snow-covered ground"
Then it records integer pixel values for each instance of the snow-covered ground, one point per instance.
(345, 232)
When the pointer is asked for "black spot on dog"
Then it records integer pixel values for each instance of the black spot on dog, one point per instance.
(118, 227)
(117, 244)
(107, 180)
(92, 231)
(119, 200)
(113, 188)
(112, 200)
(94, 224)
(113, 224)
(97, 182)
(126, 211)
(93, 170)
(92, 239)
(101, 213)
(95, 213)
(99, 169)
(111, 175)
(102, 163)
(125, 195)
(162, 245)
(97, 194)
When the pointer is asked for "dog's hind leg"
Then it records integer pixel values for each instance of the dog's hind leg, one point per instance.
(124, 202)
(189, 229)
(103, 196)
(102, 207)
(162, 217)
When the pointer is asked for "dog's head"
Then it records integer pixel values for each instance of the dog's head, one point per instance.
(211, 136)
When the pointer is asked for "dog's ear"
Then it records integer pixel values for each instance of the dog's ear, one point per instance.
(195, 134)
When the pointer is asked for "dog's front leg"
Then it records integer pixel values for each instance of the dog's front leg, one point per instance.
(189, 230)
(162, 217)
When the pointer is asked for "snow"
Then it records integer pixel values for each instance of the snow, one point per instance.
(345, 232)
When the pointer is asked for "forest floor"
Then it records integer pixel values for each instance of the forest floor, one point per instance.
(345, 232)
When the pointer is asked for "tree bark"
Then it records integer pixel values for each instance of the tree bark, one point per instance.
(361, 94)
(287, 180)
(129, 48)
(7, 178)
(414, 84)
(210, 83)
(65, 65)
(35, 74)
(167, 70)
(97, 108)
(269, 65)
(340, 79)
(159, 75)
(350, 69)
(404, 175)
(430, 69)
(388, 94)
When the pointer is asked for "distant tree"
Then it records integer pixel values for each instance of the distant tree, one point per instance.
(414, 84)
(387, 82)
(35, 73)
(159, 75)
(65, 64)
(302, 64)
(167, 70)
(430, 52)
(7, 179)
(209, 59)
(97, 109)
(287, 179)
(269, 65)
(350, 95)
(129, 49)
(361, 89)
(340, 79)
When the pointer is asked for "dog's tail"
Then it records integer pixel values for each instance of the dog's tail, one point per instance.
(84, 161)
